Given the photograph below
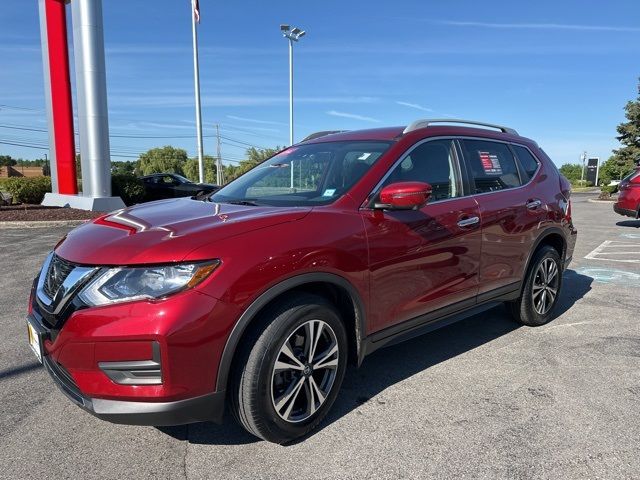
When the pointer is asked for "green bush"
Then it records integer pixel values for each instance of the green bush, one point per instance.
(27, 190)
(128, 187)
(571, 171)
(609, 189)
(581, 183)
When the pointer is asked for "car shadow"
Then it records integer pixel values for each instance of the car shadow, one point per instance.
(629, 223)
(574, 287)
(391, 365)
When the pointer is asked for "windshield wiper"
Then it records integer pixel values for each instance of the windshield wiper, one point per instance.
(243, 202)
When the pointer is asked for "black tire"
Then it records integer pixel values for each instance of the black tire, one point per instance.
(523, 309)
(251, 394)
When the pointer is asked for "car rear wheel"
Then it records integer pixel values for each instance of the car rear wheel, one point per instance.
(290, 370)
(541, 289)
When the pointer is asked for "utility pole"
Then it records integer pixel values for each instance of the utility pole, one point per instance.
(219, 179)
(583, 157)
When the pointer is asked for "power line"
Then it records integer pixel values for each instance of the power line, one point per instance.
(12, 107)
(29, 129)
(23, 145)
(231, 139)
(240, 142)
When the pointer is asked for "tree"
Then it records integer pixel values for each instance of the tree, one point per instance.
(613, 169)
(625, 158)
(259, 155)
(571, 171)
(123, 168)
(162, 160)
(78, 167)
(191, 169)
(40, 162)
(7, 161)
(254, 156)
(230, 172)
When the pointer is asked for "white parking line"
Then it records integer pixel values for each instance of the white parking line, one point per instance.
(606, 248)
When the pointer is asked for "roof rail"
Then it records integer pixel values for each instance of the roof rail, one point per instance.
(321, 134)
(429, 121)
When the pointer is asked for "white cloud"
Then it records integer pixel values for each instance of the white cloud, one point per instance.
(254, 120)
(542, 26)
(352, 116)
(187, 100)
(414, 105)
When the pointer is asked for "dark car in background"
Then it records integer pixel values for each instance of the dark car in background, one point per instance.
(171, 185)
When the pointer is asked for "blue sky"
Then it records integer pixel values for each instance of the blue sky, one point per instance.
(558, 72)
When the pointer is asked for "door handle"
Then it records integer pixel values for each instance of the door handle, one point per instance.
(468, 222)
(533, 204)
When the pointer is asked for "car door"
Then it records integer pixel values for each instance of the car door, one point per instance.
(510, 211)
(423, 260)
(154, 188)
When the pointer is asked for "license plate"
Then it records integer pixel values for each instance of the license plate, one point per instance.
(34, 341)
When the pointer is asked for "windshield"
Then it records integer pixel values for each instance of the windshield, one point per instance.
(315, 174)
(181, 179)
(631, 175)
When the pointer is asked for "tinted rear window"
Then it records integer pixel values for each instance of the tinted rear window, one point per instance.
(527, 161)
(492, 165)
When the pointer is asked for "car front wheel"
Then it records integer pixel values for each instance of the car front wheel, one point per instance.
(290, 370)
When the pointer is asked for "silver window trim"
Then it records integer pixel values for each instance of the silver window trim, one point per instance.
(458, 154)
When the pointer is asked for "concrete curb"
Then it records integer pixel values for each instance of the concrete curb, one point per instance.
(41, 224)
(595, 200)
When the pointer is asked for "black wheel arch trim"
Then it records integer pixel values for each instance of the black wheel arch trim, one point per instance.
(540, 238)
(259, 303)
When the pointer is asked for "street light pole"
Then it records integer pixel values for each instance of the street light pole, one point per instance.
(291, 103)
(583, 157)
(293, 35)
(291, 92)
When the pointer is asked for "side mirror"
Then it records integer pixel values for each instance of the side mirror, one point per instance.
(404, 196)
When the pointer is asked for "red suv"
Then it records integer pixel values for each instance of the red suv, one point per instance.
(629, 197)
(258, 296)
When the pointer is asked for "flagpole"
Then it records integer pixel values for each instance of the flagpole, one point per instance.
(196, 79)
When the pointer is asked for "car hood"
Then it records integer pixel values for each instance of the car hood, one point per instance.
(166, 231)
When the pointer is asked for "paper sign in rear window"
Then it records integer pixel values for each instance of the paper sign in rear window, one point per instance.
(490, 163)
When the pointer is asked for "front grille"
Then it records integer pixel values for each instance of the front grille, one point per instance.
(59, 270)
(57, 286)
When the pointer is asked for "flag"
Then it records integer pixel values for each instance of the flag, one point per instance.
(196, 9)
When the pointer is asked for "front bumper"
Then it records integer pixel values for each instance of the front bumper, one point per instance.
(208, 407)
(179, 338)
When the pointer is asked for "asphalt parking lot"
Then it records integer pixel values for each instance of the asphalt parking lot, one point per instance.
(483, 398)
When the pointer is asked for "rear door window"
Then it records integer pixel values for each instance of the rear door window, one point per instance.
(527, 161)
(492, 165)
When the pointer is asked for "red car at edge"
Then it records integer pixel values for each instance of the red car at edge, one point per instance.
(628, 202)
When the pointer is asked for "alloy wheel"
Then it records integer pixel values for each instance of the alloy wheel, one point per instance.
(545, 286)
(304, 371)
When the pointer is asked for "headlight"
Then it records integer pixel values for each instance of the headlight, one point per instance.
(113, 285)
